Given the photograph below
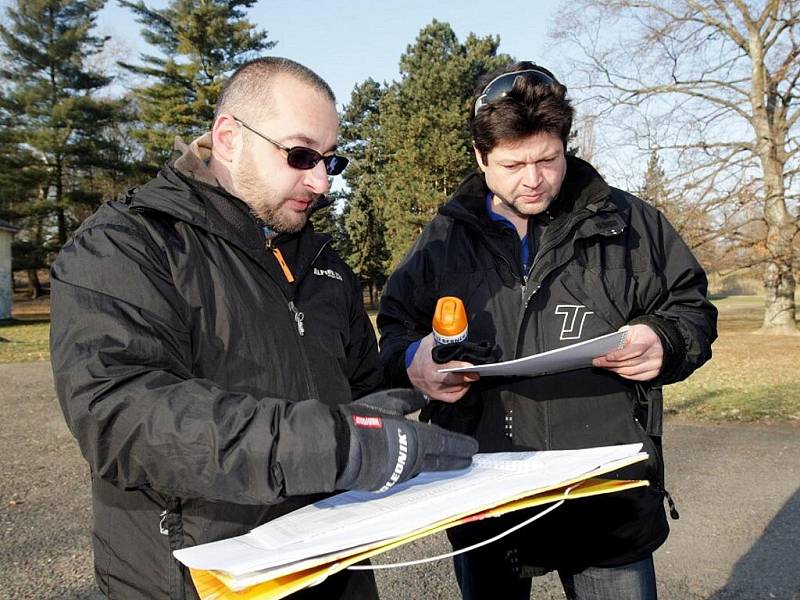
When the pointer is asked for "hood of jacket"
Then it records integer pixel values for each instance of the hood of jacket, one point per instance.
(187, 190)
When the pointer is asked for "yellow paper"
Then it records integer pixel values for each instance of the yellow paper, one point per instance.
(210, 586)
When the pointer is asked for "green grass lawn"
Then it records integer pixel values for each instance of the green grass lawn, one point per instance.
(751, 377)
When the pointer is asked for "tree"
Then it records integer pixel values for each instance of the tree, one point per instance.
(21, 172)
(330, 221)
(368, 254)
(363, 217)
(56, 124)
(200, 43)
(424, 136)
(21, 177)
(654, 189)
(689, 219)
(713, 86)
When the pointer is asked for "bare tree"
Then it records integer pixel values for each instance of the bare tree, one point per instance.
(713, 86)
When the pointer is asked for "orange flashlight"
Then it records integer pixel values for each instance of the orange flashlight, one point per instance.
(449, 321)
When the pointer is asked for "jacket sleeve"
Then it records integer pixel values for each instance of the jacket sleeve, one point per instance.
(122, 362)
(407, 303)
(676, 304)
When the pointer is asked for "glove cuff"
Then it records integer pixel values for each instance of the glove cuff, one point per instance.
(348, 452)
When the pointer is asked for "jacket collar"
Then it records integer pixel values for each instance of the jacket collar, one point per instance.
(583, 189)
(187, 190)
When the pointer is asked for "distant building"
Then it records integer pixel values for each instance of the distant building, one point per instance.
(7, 231)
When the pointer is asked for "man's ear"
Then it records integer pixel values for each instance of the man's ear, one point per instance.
(479, 158)
(226, 138)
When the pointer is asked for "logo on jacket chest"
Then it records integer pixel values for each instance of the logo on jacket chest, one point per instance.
(574, 316)
(327, 273)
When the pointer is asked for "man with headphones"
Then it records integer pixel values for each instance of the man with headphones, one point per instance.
(544, 254)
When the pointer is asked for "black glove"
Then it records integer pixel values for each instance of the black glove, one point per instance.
(476, 353)
(380, 447)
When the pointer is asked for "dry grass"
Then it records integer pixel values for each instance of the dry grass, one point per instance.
(24, 341)
(750, 378)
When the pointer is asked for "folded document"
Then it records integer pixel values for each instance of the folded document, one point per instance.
(307, 545)
(568, 358)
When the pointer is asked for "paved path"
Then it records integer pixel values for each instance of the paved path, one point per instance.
(737, 489)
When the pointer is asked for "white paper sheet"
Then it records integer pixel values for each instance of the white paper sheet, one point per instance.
(355, 519)
(576, 356)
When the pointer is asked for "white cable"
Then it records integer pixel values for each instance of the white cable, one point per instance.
(468, 548)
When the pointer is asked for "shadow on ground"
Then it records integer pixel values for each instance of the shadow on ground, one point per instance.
(774, 560)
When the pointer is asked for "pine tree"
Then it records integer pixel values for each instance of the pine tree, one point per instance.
(330, 221)
(22, 175)
(363, 219)
(424, 127)
(654, 189)
(199, 42)
(690, 220)
(58, 126)
(368, 253)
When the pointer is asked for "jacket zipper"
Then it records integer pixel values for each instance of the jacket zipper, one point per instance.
(526, 298)
(551, 243)
(298, 317)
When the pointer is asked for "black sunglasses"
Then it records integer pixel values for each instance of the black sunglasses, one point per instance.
(501, 85)
(300, 157)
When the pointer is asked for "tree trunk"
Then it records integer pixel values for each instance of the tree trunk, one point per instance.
(33, 281)
(771, 128)
(779, 309)
(779, 282)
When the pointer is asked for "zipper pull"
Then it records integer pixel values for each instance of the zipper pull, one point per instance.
(673, 511)
(287, 272)
(298, 318)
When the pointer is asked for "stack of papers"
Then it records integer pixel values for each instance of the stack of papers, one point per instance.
(307, 545)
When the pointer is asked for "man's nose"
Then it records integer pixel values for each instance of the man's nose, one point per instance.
(532, 175)
(317, 179)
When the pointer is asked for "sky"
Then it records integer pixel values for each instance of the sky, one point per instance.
(348, 41)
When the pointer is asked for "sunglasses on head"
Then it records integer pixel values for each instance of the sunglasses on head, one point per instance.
(501, 85)
(300, 157)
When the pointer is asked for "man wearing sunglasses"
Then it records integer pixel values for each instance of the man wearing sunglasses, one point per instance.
(212, 354)
(545, 254)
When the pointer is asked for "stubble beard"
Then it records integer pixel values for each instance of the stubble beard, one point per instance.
(529, 210)
(522, 209)
(265, 204)
(279, 218)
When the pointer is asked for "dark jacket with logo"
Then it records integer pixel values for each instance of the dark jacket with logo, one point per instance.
(605, 259)
(196, 379)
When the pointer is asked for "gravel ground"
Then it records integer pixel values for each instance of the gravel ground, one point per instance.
(737, 488)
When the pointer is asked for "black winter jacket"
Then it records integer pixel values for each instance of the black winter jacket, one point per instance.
(606, 259)
(197, 383)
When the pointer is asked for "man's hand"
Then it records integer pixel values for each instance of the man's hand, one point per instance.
(639, 360)
(424, 375)
(385, 448)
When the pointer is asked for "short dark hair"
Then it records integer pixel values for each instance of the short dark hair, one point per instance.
(533, 105)
(249, 87)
